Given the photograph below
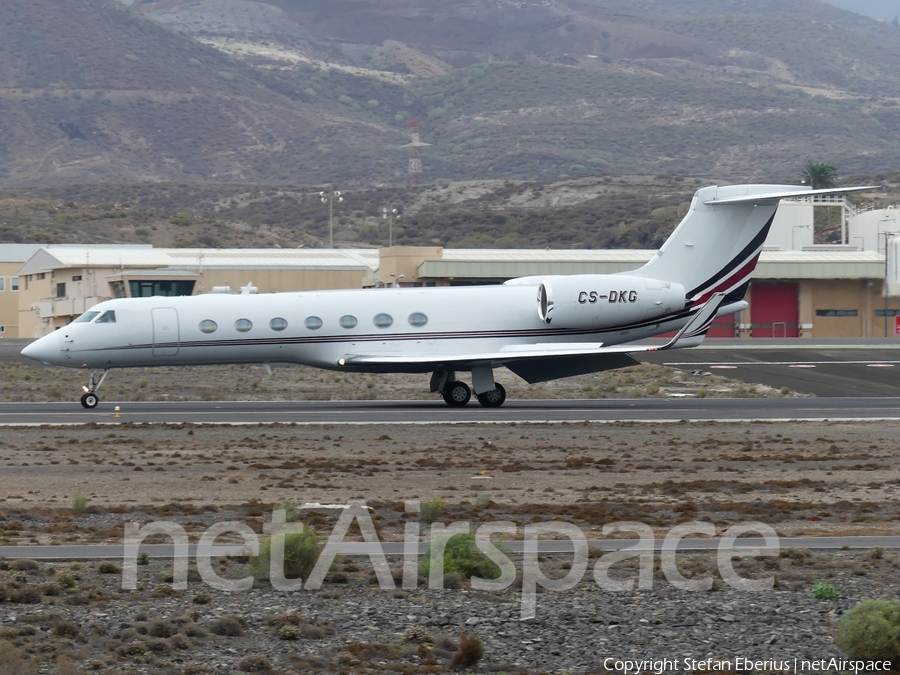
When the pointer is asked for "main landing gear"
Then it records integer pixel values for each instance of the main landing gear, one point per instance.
(90, 399)
(456, 394)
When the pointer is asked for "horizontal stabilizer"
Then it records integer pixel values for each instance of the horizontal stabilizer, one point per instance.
(770, 197)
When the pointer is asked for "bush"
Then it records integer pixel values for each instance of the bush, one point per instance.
(823, 591)
(301, 551)
(254, 664)
(432, 509)
(228, 626)
(108, 568)
(161, 628)
(871, 631)
(30, 595)
(79, 503)
(470, 651)
(67, 629)
(462, 557)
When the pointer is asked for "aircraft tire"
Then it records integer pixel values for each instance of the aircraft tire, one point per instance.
(494, 398)
(90, 400)
(456, 394)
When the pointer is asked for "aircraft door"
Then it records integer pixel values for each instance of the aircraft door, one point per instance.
(165, 331)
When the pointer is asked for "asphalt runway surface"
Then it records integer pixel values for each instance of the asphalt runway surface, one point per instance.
(430, 412)
(116, 551)
(833, 367)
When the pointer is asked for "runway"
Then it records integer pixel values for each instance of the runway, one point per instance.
(116, 551)
(430, 412)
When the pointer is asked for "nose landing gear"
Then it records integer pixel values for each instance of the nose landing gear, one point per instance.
(90, 399)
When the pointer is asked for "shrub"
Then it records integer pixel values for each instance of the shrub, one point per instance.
(161, 628)
(470, 651)
(289, 632)
(79, 503)
(228, 626)
(462, 557)
(301, 551)
(871, 631)
(12, 660)
(30, 595)
(24, 565)
(823, 591)
(108, 568)
(66, 629)
(432, 509)
(256, 663)
(484, 500)
(66, 580)
(201, 598)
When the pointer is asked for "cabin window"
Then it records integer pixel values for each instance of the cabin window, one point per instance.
(313, 322)
(108, 317)
(417, 319)
(348, 321)
(383, 320)
(208, 326)
(243, 325)
(87, 317)
(278, 323)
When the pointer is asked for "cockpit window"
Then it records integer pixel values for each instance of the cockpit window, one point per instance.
(108, 317)
(87, 317)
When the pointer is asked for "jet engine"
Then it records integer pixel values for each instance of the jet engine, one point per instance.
(605, 300)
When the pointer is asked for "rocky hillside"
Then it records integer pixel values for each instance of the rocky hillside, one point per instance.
(308, 92)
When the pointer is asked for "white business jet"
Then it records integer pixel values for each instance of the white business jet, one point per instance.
(541, 328)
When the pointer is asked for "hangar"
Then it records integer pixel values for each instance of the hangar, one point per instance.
(800, 289)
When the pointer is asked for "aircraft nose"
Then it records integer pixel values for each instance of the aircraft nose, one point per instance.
(45, 349)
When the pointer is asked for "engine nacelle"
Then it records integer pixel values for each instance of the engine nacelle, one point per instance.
(605, 300)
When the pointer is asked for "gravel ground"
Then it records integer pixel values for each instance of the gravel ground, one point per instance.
(353, 626)
(800, 478)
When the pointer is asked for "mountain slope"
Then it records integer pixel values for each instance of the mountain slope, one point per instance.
(315, 91)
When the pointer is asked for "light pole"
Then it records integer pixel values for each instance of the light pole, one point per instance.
(329, 196)
(390, 215)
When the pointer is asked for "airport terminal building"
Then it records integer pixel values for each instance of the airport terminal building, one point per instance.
(799, 290)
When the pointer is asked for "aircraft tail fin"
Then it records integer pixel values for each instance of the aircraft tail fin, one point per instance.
(716, 246)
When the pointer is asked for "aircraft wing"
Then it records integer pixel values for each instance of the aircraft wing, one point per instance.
(690, 335)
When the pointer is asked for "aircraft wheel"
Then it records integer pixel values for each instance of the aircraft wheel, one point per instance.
(457, 394)
(90, 400)
(494, 398)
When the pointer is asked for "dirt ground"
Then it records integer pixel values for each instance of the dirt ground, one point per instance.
(801, 478)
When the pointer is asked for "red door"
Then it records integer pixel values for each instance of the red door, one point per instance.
(723, 327)
(774, 310)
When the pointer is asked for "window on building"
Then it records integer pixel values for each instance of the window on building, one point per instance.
(887, 312)
(41, 275)
(348, 321)
(2, 329)
(149, 289)
(61, 290)
(2, 284)
(118, 289)
(77, 277)
(14, 284)
(836, 312)
(383, 320)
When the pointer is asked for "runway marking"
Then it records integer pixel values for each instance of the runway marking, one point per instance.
(880, 365)
(723, 367)
(802, 365)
